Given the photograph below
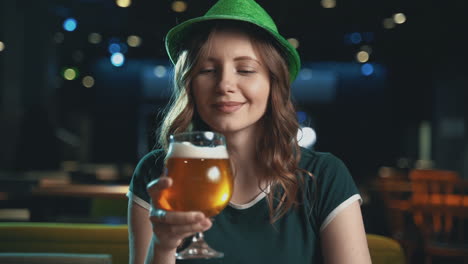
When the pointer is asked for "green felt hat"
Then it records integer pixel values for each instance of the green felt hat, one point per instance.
(241, 10)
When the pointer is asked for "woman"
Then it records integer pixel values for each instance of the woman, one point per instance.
(290, 205)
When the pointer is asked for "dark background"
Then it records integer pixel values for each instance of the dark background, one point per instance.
(368, 121)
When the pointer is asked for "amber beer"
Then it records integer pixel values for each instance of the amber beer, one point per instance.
(202, 179)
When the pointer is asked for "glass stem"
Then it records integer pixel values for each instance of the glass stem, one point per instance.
(198, 237)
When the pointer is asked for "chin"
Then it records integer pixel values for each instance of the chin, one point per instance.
(224, 128)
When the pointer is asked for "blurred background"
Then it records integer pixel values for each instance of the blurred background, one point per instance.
(383, 84)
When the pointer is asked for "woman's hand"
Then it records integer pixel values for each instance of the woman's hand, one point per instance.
(170, 228)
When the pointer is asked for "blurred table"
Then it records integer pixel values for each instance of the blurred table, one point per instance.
(82, 190)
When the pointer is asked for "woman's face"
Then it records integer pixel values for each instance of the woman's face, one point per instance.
(231, 84)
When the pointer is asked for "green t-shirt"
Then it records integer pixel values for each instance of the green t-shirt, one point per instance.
(246, 235)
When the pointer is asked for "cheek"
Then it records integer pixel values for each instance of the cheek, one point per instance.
(261, 94)
(197, 95)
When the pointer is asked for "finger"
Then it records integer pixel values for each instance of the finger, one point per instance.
(177, 218)
(159, 184)
(182, 231)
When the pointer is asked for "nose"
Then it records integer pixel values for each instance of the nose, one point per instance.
(226, 81)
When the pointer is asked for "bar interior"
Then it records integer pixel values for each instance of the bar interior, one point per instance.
(383, 86)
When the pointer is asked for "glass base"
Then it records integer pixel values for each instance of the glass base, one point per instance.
(198, 249)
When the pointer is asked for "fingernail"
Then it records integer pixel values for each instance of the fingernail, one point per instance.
(206, 224)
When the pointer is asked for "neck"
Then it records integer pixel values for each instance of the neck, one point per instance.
(242, 151)
(241, 148)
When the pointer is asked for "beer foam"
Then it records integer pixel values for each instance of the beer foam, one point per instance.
(188, 150)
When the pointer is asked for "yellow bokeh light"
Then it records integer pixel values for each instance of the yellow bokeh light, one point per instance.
(133, 41)
(362, 56)
(94, 38)
(388, 23)
(88, 81)
(399, 18)
(2, 46)
(69, 74)
(123, 3)
(328, 3)
(179, 6)
(294, 42)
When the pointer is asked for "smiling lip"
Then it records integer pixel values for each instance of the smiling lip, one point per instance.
(228, 107)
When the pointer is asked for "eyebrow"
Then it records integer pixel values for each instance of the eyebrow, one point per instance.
(240, 58)
(246, 58)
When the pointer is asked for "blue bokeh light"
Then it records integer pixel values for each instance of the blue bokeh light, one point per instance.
(301, 117)
(367, 69)
(114, 48)
(355, 38)
(70, 24)
(117, 59)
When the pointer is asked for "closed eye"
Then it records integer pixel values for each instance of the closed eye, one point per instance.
(207, 70)
(246, 72)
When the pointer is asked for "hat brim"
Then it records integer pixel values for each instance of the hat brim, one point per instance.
(176, 35)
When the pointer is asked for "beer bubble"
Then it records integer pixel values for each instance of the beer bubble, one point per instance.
(214, 174)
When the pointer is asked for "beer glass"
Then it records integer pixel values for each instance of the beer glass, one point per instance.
(199, 166)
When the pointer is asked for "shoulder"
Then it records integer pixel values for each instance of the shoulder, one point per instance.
(315, 161)
(150, 160)
(148, 168)
(327, 170)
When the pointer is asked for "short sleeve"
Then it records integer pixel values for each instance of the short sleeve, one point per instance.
(336, 188)
(150, 167)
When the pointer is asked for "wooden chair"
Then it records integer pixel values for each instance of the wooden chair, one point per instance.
(394, 188)
(440, 210)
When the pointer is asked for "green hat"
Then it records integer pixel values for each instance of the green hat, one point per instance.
(241, 10)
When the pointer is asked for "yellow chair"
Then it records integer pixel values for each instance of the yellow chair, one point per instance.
(385, 250)
(65, 238)
(113, 240)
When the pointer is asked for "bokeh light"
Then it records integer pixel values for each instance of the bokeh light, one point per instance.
(294, 42)
(70, 24)
(114, 48)
(399, 18)
(388, 23)
(306, 137)
(117, 59)
(70, 74)
(328, 3)
(301, 117)
(159, 71)
(367, 69)
(134, 41)
(2, 46)
(88, 81)
(179, 6)
(94, 38)
(355, 38)
(362, 56)
(123, 3)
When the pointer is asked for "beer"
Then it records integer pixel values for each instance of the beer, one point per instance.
(201, 177)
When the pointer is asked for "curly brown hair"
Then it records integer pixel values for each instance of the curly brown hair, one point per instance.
(278, 151)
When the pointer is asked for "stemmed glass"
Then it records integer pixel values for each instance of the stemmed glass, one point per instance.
(199, 166)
